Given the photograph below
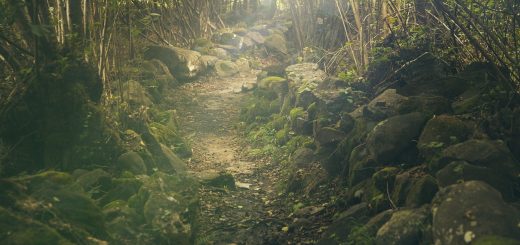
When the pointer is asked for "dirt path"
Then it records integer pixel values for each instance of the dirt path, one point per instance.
(208, 112)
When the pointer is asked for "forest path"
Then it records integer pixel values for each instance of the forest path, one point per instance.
(208, 112)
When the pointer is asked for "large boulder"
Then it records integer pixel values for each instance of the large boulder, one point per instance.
(459, 171)
(465, 212)
(277, 42)
(256, 37)
(390, 140)
(73, 208)
(305, 75)
(405, 227)
(17, 230)
(132, 162)
(182, 63)
(135, 94)
(387, 104)
(225, 68)
(485, 153)
(169, 205)
(441, 132)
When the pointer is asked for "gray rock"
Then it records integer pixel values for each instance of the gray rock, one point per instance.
(132, 162)
(440, 132)
(390, 139)
(182, 63)
(256, 37)
(387, 104)
(305, 75)
(216, 179)
(471, 210)
(404, 228)
(175, 163)
(225, 68)
(485, 153)
(458, 171)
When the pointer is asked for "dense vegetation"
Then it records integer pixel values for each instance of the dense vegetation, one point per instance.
(389, 122)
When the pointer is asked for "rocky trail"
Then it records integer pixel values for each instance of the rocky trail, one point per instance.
(239, 207)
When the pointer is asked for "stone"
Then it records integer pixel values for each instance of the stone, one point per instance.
(276, 84)
(384, 179)
(405, 227)
(390, 139)
(491, 240)
(182, 63)
(305, 76)
(328, 135)
(469, 101)
(428, 104)
(472, 210)
(276, 42)
(218, 179)
(175, 163)
(74, 208)
(219, 53)
(386, 104)
(122, 189)
(169, 204)
(18, 230)
(243, 65)
(485, 153)
(208, 61)
(96, 178)
(136, 94)
(440, 132)
(346, 123)
(422, 191)
(302, 157)
(225, 68)
(461, 171)
(361, 165)
(132, 162)
(256, 37)
(339, 230)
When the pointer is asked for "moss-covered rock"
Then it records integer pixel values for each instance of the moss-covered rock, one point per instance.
(225, 68)
(465, 212)
(405, 227)
(95, 182)
(131, 161)
(217, 179)
(384, 179)
(169, 204)
(123, 189)
(17, 230)
(74, 208)
(422, 191)
(441, 132)
(167, 136)
(391, 139)
(492, 240)
(275, 84)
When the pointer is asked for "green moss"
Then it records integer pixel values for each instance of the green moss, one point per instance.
(278, 122)
(18, 230)
(299, 141)
(202, 42)
(274, 83)
(296, 113)
(385, 178)
(165, 135)
(312, 110)
(76, 209)
(45, 179)
(282, 136)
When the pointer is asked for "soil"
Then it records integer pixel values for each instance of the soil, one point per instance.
(208, 113)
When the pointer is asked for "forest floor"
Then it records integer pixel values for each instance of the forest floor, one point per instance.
(253, 212)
